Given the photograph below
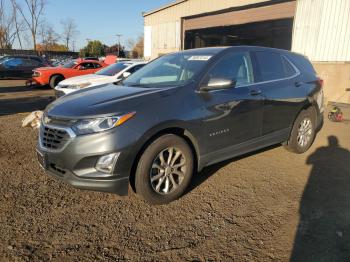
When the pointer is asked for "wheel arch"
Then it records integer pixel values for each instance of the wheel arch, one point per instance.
(175, 130)
(56, 74)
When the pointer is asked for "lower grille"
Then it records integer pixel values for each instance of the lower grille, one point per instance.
(58, 169)
(53, 138)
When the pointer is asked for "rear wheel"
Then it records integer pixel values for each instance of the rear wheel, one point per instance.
(303, 132)
(55, 80)
(164, 170)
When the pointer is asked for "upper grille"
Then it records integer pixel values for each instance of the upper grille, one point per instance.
(53, 138)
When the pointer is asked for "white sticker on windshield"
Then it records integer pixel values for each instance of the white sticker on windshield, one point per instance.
(199, 58)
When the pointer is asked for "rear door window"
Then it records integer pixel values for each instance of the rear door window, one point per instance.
(270, 65)
(31, 63)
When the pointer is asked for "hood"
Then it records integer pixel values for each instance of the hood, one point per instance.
(103, 100)
(92, 78)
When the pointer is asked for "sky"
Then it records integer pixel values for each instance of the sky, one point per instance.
(101, 19)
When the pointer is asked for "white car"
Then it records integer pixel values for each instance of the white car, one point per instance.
(110, 74)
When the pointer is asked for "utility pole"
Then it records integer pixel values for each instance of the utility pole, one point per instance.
(119, 36)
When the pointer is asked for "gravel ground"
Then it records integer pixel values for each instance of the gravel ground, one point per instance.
(267, 206)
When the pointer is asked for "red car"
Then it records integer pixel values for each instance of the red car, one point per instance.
(53, 75)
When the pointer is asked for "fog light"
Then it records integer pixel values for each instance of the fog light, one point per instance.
(106, 163)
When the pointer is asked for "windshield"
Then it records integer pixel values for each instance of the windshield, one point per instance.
(170, 70)
(70, 64)
(112, 69)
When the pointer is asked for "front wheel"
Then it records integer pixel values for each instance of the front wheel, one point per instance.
(303, 132)
(55, 80)
(164, 170)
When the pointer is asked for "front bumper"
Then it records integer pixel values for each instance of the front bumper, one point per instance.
(118, 186)
(40, 81)
(75, 162)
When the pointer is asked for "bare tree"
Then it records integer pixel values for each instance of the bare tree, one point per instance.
(31, 14)
(48, 36)
(7, 32)
(18, 23)
(130, 43)
(69, 31)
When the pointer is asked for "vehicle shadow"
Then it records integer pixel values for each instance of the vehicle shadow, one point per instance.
(323, 233)
(207, 172)
(15, 89)
(21, 105)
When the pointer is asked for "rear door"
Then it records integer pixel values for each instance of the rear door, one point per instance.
(232, 116)
(278, 80)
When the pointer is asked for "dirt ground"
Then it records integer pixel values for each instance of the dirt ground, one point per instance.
(271, 205)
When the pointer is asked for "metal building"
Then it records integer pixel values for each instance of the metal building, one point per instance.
(318, 29)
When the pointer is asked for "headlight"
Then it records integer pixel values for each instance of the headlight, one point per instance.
(79, 86)
(89, 126)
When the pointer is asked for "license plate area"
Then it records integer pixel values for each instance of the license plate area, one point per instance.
(41, 159)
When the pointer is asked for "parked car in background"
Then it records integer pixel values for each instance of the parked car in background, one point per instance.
(178, 114)
(53, 75)
(20, 66)
(91, 58)
(110, 74)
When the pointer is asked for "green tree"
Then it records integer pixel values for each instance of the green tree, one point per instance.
(93, 48)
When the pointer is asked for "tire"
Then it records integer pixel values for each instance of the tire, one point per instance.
(54, 80)
(302, 135)
(154, 179)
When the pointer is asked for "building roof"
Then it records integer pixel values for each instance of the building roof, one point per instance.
(163, 7)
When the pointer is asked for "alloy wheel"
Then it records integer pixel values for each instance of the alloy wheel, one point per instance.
(168, 170)
(304, 132)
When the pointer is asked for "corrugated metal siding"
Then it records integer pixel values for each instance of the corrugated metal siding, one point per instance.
(270, 12)
(165, 38)
(166, 24)
(322, 30)
(194, 7)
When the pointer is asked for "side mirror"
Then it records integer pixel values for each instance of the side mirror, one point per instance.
(126, 75)
(218, 84)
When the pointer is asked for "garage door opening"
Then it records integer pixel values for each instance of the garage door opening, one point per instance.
(273, 33)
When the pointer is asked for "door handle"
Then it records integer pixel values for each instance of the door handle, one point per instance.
(298, 83)
(255, 92)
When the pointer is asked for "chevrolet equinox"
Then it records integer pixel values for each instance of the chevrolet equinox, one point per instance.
(178, 114)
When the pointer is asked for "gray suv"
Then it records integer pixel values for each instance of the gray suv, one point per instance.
(178, 114)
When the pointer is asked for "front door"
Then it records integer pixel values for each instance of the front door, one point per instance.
(232, 116)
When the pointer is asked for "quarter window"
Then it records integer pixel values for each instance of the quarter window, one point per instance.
(288, 68)
(235, 66)
(271, 66)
